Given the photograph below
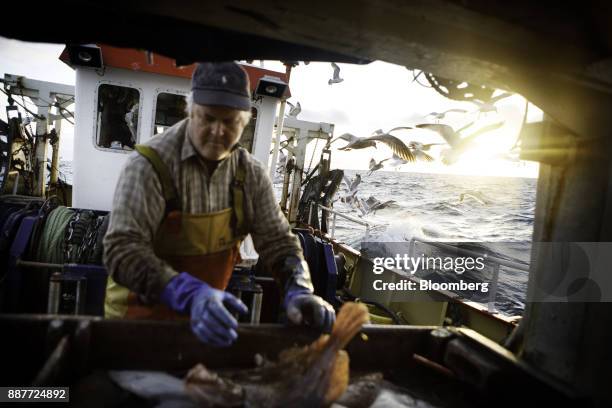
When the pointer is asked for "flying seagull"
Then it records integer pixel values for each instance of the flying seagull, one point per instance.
(350, 197)
(295, 109)
(419, 149)
(372, 204)
(380, 131)
(396, 161)
(336, 78)
(352, 185)
(441, 115)
(282, 162)
(422, 146)
(489, 106)
(458, 145)
(396, 145)
(376, 166)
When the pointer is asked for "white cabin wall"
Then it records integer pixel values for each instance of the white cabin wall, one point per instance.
(96, 170)
(264, 128)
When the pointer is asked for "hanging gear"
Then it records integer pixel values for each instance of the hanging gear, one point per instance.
(319, 190)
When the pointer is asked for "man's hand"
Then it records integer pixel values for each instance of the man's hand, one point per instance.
(306, 308)
(211, 320)
(302, 306)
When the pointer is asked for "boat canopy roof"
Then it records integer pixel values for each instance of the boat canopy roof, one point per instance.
(142, 61)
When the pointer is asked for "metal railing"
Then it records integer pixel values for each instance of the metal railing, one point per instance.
(492, 260)
(336, 214)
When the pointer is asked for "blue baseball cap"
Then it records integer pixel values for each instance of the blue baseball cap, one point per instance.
(221, 84)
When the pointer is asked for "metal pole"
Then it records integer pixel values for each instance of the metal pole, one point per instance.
(299, 153)
(56, 146)
(310, 206)
(286, 180)
(42, 127)
(31, 264)
(16, 185)
(279, 125)
(276, 139)
(55, 292)
(256, 306)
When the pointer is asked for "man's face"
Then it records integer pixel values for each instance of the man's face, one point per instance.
(214, 130)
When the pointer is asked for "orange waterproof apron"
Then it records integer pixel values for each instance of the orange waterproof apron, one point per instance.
(204, 245)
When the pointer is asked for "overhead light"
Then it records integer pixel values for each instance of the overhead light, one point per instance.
(271, 86)
(85, 55)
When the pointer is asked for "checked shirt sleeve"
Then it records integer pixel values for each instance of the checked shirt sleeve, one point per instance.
(138, 209)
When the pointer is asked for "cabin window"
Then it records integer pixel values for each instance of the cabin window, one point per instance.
(246, 140)
(117, 117)
(170, 109)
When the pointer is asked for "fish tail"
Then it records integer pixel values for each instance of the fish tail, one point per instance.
(348, 323)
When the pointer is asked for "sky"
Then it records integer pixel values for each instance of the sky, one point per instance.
(375, 96)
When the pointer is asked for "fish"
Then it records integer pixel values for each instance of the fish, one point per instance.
(310, 376)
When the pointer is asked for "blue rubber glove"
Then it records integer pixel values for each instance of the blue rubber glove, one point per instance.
(301, 304)
(210, 308)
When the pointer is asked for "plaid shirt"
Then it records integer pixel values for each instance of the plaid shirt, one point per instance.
(138, 210)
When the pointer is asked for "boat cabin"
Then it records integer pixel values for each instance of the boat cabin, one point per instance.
(130, 96)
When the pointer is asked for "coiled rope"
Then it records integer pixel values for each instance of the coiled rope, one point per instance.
(51, 244)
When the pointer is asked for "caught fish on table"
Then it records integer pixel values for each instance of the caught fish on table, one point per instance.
(309, 376)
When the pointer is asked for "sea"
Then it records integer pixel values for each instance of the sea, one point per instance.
(496, 215)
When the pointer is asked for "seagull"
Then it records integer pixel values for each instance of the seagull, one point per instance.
(441, 115)
(295, 109)
(282, 161)
(336, 78)
(400, 128)
(349, 137)
(381, 132)
(489, 106)
(280, 168)
(359, 204)
(393, 142)
(396, 161)
(422, 146)
(350, 199)
(376, 166)
(457, 144)
(352, 185)
(372, 204)
(419, 150)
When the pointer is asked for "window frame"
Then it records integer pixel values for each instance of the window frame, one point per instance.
(96, 125)
(172, 91)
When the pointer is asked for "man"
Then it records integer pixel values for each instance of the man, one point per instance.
(184, 202)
